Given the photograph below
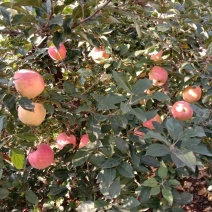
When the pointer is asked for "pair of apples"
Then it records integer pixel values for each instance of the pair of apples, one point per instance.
(181, 110)
(44, 155)
(97, 54)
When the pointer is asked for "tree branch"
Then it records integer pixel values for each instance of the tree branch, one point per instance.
(11, 32)
(91, 16)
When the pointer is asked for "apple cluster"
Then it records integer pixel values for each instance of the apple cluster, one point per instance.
(30, 84)
(180, 110)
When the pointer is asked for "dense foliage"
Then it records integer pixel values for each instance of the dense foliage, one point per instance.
(118, 170)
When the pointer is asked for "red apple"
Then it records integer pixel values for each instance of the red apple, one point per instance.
(98, 55)
(57, 54)
(33, 118)
(157, 56)
(149, 124)
(138, 133)
(63, 139)
(84, 140)
(182, 111)
(42, 157)
(28, 83)
(158, 75)
(192, 94)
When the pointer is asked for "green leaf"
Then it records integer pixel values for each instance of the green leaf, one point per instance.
(167, 194)
(158, 136)
(3, 122)
(28, 136)
(111, 162)
(125, 107)
(106, 176)
(174, 182)
(80, 158)
(31, 197)
(126, 170)
(108, 102)
(69, 87)
(97, 159)
(160, 96)
(130, 203)
(124, 49)
(9, 101)
(115, 188)
(209, 50)
(183, 157)
(4, 193)
(157, 150)
(100, 204)
(58, 20)
(163, 170)
(182, 198)
(26, 103)
(150, 182)
(174, 127)
(85, 72)
(200, 149)
(33, 3)
(120, 120)
(93, 127)
(122, 81)
(150, 161)
(187, 133)
(140, 86)
(122, 145)
(145, 193)
(163, 27)
(18, 158)
(190, 142)
(155, 190)
(58, 38)
(57, 190)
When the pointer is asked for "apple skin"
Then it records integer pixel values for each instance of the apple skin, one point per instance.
(192, 94)
(182, 111)
(63, 139)
(84, 141)
(42, 157)
(148, 124)
(138, 133)
(57, 54)
(34, 118)
(98, 55)
(158, 75)
(157, 57)
(28, 83)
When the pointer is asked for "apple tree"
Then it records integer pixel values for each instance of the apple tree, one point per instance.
(106, 136)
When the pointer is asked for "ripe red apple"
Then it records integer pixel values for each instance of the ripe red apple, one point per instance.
(57, 54)
(157, 56)
(63, 139)
(42, 157)
(148, 124)
(98, 55)
(33, 118)
(84, 140)
(158, 75)
(192, 94)
(28, 83)
(182, 111)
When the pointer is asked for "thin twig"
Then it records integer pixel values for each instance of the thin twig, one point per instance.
(92, 15)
